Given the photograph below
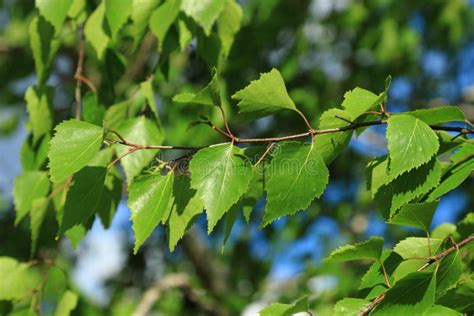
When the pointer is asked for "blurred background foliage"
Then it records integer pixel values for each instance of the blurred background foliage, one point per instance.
(323, 48)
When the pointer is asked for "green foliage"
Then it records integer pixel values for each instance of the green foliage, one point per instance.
(140, 53)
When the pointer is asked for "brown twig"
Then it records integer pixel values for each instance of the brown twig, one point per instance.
(78, 74)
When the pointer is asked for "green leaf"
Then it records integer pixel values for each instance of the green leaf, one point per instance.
(74, 144)
(77, 10)
(411, 143)
(209, 95)
(330, 145)
(43, 46)
(460, 297)
(186, 205)
(438, 310)
(116, 114)
(369, 249)
(39, 103)
(33, 157)
(84, 196)
(76, 234)
(417, 215)
(466, 226)
(28, 187)
(95, 33)
(265, 96)
(373, 282)
(392, 196)
(148, 198)
(142, 131)
(228, 24)
(67, 304)
(221, 175)
(185, 34)
(204, 12)
(417, 247)
(296, 176)
(254, 191)
(456, 173)
(438, 115)
(358, 101)
(92, 111)
(412, 295)
(350, 307)
(17, 279)
(147, 91)
(54, 11)
(117, 13)
(162, 19)
(141, 13)
(448, 273)
(39, 207)
(279, 309)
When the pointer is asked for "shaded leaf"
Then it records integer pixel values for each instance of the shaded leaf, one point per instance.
(185, 206)
(228, 24)
(84, 197)
(209, 95)
(54, 11)
(412, 295)
(350, 307)
(117, 13)
(141, 13)
(39, 207)
(438, 115)
(39, 103)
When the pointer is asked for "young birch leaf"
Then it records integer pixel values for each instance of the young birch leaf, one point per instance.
(350, 307)
(74, 144)
(265, 96)
(185, 206)
(144, 132)
(28, 187)
(39, 207)
(279, 309)
(221, 175)
(417, 247)
(330, 145)
(209, 95)
(33, 157)
(412, 295)
(117, 13)
(296, 176)
(228, 24)
(54, 11)
(92, 111)
(141, 13)
(369, 249)
(17, 279)
(39, 102)
(204, 12)
(148, 198)
(358, 101)
(163, 18)
(83, 198)
(43, 46)
(95, 33)
(439, 310)
(67, 304)
(185, 34)
(418, 215)
(411, 143)
(439, 115)
(147, 91)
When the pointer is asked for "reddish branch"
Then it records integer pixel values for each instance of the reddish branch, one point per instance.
(428, 263)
